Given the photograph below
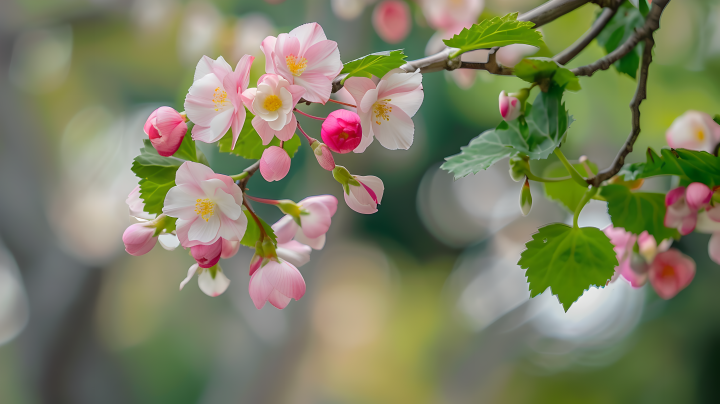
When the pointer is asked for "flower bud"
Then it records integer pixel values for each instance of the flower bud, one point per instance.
(510, 107)
(166, 128)
(525, 198)
(519, 166)
(255, 263)
(343, 176)
(207, 255)
(698, 195)
(323, 155)
(695, 131)
(274, 164)
(391, 20)
(139, 238)
(341, 131)
(229, 248)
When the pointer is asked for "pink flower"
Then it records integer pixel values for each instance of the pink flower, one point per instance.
(212, 281)
(166, 128)
(695, 131)
(511, 55)
(272, 103)
(698, 195)
(207, 255)
(634, 267)
(385, 110)
(510, 108)
(274, 164)
(139, 238)
(168, 241)
(213, 101)
(315, 217)
(671, 272)
(323, 155)
(341, 131)
(276, 282)
(229, 248)
(391, 19)
(304, 57)
(446, 15)
(678, 214)
(366, 197)
(294, 252)
(208, 206)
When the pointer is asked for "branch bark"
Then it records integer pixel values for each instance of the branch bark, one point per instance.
(569, 54)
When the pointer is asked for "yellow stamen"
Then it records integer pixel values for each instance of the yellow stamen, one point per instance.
(382, 111)
(296, 65)
(220, 98)
(205, 208)
(700, 135)
(272, 103)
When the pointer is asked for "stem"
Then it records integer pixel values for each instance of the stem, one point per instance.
(241, 176)
(308, 115)
(309, 139)
(573, 50)
(246, 174)
(256, 218)
(342, 103)
(263, 200)
(585, 199)
(535, 178)
(573, 172)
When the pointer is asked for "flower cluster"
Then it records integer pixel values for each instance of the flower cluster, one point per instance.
(210, 213)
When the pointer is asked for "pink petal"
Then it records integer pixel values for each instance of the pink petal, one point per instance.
(191, 272)
(259, 288)
(285, 278)
(391, 20)
(398, 81)
(318, 86)
(315, 243)
(138, 239)
(213, 287)
(674, 195)
(278, 300)
(317, 222)
(374, 183)
(294, 252)
(285, 229)
(205, 232)
(323, 58)
(229, 248)
(268, 49)
(207, 255)
(395, 133)
(358, 86)
(308, 35)
(274, 164)
(329, 201)
(698, 195)
(671, 272)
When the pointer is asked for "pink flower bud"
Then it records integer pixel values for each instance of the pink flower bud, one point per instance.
(276, 282)
(695, 131)
(391, 19)
(255, 264)
(324, 156)
(229, 248)
(509, 107)
(670, 272)
(366, 197)
(698, 195)
(207, 255)
(341, 131)
(139, 239)
(166, 128)
(274, 164)
(679, 215)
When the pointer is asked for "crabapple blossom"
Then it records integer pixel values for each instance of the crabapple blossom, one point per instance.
(304, 57)
(274, 163)
(139, 238)
(510, 107)
(323, 155)
(341, 131)
(362, 193)
(207, 205)
(212, 281)
(214, 100)
(670, 272)
(207, 255)
(136, 207)
(633, 266)
(294, 252)
(698, 195)
(314, 216)
(272, 103)
(679, 215)
(694, 130)
(277, 282)
(391, 20)
(385, 110)
(166, 129)
(447, 15)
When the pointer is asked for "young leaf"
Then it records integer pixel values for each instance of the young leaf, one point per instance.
(252, 234)
(497, 31)
(568, 261)
(249, 144)
(638, 211)
(374, 64)
(187, 150)
(689, 165)
(617, 31)
(547, 122)
(482, 152)
(153, 195)
(154, 167)
(535, 70)
(568, 193)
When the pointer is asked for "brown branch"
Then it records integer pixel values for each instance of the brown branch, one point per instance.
(491, 65)
(250, 170)
(573, 50)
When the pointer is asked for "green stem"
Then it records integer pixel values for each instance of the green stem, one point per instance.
(585, 199)
(241, 176)
(456, 54)
(573, 172)
(535, 178)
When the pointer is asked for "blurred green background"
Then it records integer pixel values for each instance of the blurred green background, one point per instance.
(419, 303)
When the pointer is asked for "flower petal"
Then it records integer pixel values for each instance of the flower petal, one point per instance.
(213, 287)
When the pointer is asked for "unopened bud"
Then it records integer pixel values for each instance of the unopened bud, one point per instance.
(638, 264)
(519, 167)
(525, 198)
(323, 155)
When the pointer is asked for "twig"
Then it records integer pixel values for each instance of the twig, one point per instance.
(491, 65)
(308, 115)
(250, 171)
(573, 50)
(309, 139)
(256, 218)
(652, 23)
(342, 103)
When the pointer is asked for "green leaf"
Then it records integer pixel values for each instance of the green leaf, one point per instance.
(547, 122)
(249, 144)
(638, 211)
(568, 261)
(187, 150)
(374, 64)
(618, 30)
(154, 167)
(568, 193)
(497, 31)
(538, 70)
(689, 165)
(252, 234)
(153, 195)
(716, 118)
(482, 152)
(641, 5)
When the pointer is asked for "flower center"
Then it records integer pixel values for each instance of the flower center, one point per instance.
(382, 111)
(220, 98)
(343, 136)
(272, 103)
(205, 208)
(296, 65)
(700, 135)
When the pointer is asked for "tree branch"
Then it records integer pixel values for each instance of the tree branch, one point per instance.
(250, 171)
(573, 50)
(551, 10)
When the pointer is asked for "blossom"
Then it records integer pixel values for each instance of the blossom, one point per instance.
(213, 102)
(272, 103)
(510, 107)
(207, 255)
(304, 57)
(670, 272)
(365, 198)
(448, 14)
(679, 215)
(207, 205)
(276, 282)
(274, 163)
(294, 252)
(385, 110)
(342, 131)
(315, 217)
(695, 131)
(698, 195)
(391, 20)
(510, 55)
(633, 266)
(323, 155)
(166, 129)
(212, 281)
(136, 207)
(139, 238)
(229, 248)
